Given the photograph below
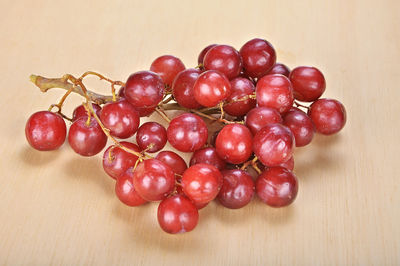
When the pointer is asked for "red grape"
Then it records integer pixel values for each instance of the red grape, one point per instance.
(328, 115)
(86, 140)
(308, 83)
(234, 143)
(279, 68)
(203, 53)
(173, 160)
(153, 180)
(225, 59)
(151, 133)
(121, 118)
(259, 117)
(237, 189)
(240, 87)
(273, 144)
(177, 214)
(275, 91)
(208, 156)
(277, 187)
(167, 67)
(45, 131)
(143, 111)
(211, 87)
(258, 57)
(116, 161)
(201, 182)
(144, 89)
(80, 111)
(182, 88)
(301, 126)
(187, 132)
(125, 190)
(289, 164)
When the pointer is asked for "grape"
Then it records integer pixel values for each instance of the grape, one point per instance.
(182, 88)
(241, 87)
(167, 67)
(234, 143)
(273, 144)
(116, 161)
(201, 183)
(203, 53)
(80, 111)
(237, 189)
(208, 156)
(279, 68)
(144, 89)
(259, 117)
(153, 180)
(328, 115)
(301, 126)
(187, 132)
(125, 190)
(151, 133)
(86, 140)
(120, 118)
(225, 59)
(173, 160)
(45, 131)
(275, 91)
(258, 57)
(277, 187)
(211, 87)
(177, 214)
(308, 83)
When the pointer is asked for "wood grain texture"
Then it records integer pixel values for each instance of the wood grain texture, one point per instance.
(58, 208)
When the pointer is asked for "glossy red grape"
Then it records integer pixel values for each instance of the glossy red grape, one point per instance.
(208, 156)
(177, 214)
(187, 132)
(289, 164)
(80, 111)
(301, 126)
(328, 115)
(144, 89)
(225, 59)
(211, 87)
(279, 68)
(45, 131)
(259, 117)
(182, 88)
(116, 161)
(151, 134)
(153, 180)
(203, 53)
(275, 91)
(173, 160)
(167, 67)
(240, 87)
(237, 189)
(121, 118)
(86, 140)
(308, 83)
(143, 111)
(277, 187)
(125, 190)
(201, 182)
(258, 57)
(234, 143)
(273, 144)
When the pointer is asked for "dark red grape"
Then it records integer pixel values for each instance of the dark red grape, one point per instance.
(277, 187)
(240, 87)
(167, 67)
(173, 160)
(203, 53)
(144, 89)
(279, 68)
(80, 111)
(182, 88)
(301, 126)
(125, 190)
(237, 189)
(258, 57)
(259, 117)
(328, 115)
(208, 156)
(308, 83)
(151, 133)
(225, 59)
(211, 87)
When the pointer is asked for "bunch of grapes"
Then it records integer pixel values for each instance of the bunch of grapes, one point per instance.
(254, 99)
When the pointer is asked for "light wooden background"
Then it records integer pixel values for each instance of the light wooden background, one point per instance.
(58, 208)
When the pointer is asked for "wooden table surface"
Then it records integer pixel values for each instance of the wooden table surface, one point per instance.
(59, 208)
